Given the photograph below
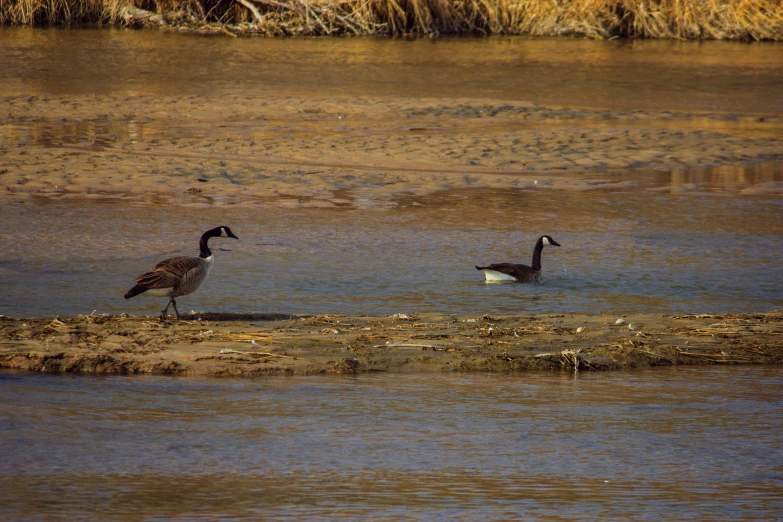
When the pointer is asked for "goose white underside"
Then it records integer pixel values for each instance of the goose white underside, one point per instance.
(158, 292)
(493, 276)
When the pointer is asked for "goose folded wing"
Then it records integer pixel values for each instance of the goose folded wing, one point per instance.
(511, 269)
(168, 273)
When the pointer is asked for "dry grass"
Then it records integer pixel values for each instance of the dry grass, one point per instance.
(684, 19)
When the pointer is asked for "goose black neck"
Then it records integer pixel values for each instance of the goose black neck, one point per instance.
(204, 244)
(537, 255)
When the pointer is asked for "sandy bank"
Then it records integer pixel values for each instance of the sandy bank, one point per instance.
(365, 152)
(209, 344)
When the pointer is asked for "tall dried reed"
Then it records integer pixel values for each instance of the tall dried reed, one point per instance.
(683, 19)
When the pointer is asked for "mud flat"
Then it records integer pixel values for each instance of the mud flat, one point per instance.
(209, 344)
(364, 152)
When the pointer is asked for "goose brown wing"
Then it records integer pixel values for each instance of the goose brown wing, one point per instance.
(519, 271)
(168, 273)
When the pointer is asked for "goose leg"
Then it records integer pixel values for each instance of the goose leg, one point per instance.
(175, 309)
(164, 313)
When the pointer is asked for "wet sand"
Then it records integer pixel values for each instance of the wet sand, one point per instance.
(209, 344)
(362, 152)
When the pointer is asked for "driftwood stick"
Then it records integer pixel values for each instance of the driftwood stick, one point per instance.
(130, 13)
(251, 338)
(405, 345)
(255, 354)
(277, 4)
(349, 25)
(657, 355)
(256, 13)
(714, 356)
(308, 9)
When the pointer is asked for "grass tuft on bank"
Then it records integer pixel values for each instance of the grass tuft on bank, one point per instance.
(680, 19)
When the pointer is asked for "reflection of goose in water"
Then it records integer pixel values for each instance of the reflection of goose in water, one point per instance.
(178, 276)
(520, 273)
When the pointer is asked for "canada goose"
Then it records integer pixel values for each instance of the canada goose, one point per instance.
(178, 276)
(520, 273)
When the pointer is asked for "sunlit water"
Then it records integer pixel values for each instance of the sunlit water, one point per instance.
(660, 444)
(646, 74)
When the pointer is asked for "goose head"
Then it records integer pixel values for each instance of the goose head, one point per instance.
(220, 232)
(548, 241)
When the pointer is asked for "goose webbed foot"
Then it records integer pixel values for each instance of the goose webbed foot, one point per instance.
(164, 314)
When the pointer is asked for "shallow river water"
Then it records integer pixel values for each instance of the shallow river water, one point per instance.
(684, 444)
(620, 253)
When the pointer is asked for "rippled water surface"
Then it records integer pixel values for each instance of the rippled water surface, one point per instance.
(637, 251)
(660, 444)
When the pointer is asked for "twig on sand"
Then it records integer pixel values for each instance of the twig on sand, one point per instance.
(657, 355)
(56, 323)
(571, 358)
(255, 354)
(716, 357)
(406, 345)
(154, 325)
(248, 337)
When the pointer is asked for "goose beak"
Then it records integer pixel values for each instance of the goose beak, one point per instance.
(553, 242)
(231, 234)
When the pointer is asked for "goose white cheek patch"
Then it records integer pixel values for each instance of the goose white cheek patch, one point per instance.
(546, 241)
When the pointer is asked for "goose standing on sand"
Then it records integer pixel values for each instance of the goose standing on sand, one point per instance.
(178, 276)
(520, 273)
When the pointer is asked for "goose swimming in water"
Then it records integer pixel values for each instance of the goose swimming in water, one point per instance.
(520, 273)
(178, 276)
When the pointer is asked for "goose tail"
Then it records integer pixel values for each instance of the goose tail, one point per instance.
(136, 290)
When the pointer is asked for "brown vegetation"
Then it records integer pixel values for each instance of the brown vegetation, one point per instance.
(685, 19)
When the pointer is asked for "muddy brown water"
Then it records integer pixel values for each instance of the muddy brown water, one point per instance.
(635, 75)
(673, 443)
